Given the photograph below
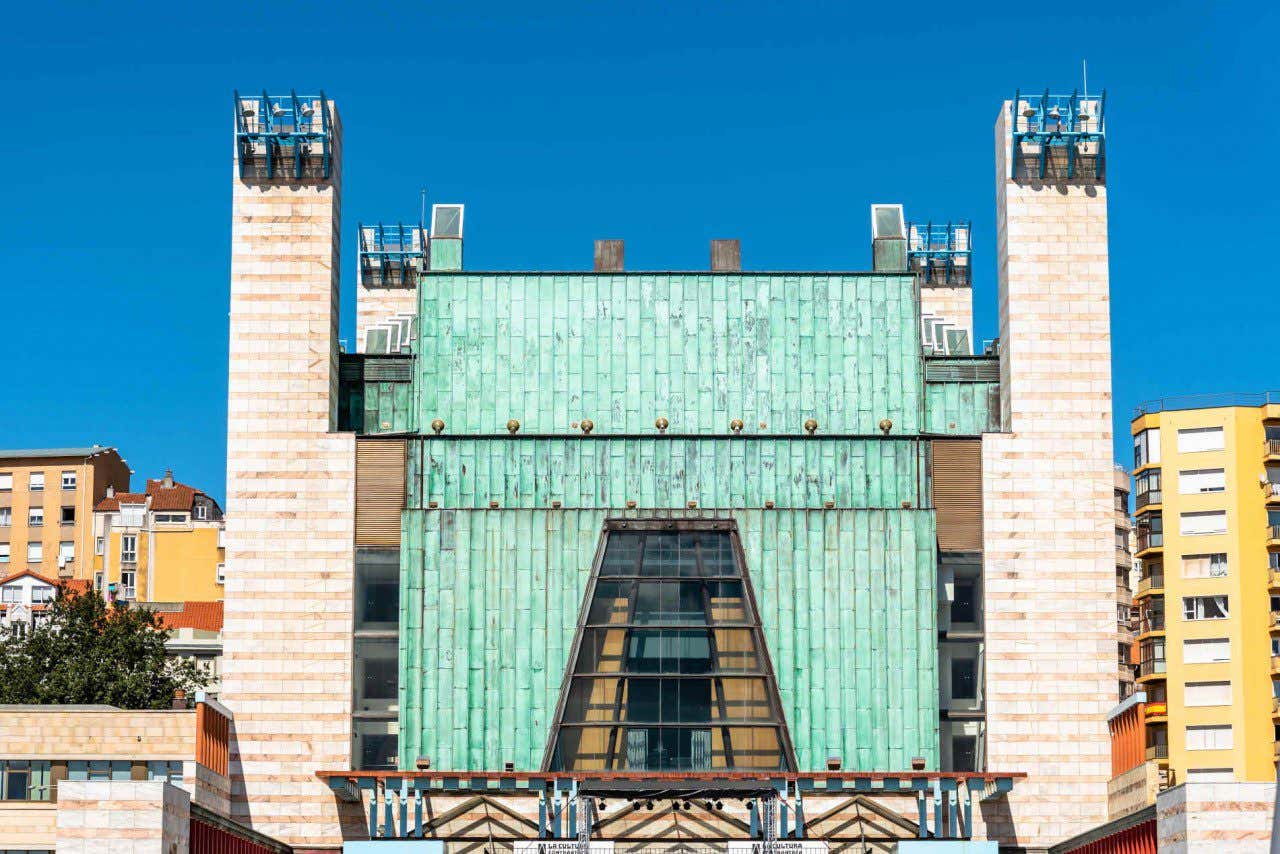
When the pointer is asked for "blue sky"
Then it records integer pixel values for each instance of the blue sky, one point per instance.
(664, 124)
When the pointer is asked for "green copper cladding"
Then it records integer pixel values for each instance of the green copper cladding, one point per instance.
(491, 599)
(697, 349)
(500, 530)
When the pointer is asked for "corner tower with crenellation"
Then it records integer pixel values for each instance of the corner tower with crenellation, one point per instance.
(1047, 479)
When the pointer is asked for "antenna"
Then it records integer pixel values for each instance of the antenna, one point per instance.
(422, 214)
(1084, 68)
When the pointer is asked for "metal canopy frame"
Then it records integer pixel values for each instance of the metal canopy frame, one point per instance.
(389, 253)
(281, 128)
(1060, 122)
(936, 249)
(396, 802)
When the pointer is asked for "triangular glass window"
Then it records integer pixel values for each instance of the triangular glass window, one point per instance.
(669, 669)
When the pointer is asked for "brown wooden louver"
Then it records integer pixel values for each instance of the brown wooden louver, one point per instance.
(380, 482)
(957, 494)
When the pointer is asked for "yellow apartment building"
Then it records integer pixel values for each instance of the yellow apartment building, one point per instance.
(47, 496)
(1207, 505)
(161, 545)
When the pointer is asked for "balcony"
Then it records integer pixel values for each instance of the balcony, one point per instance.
(1275, 621)
(1150, 584)
(1275, 665)
(1151, 667)
(1275, 706)
(1148, 540)
(1147, 498)
(1158, 711)
(1123, 558)
(1271, 448)
(1272, 491)
(1157, 751)
(1151, 623)
(1273, 535)
(1273, 579)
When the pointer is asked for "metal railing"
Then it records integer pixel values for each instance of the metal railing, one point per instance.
(1151, 623)
(1151, 496)
(1273, 577)
(1151, 666)
(1157, 751)
(1206, 401)
(1150, 582)
(1272, 489)
(1273, 532)
(1271, 447)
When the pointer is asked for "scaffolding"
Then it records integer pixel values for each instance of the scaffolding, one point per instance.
(391, 255)
(941, 252)
(283, 136)
(1059, 137)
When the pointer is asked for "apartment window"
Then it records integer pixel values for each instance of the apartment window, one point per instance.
(168, 770)
(35, 517)
(1193, 481)
(1196, 439)
(66, 551)
(171, 518)
(132, 515)
(113, 769)
(1147, 486)
(964, 607)
(1122, 539)
(6, 517)
(128, 548)
(35, 552)
(1207, 522)
(36, 482)
(1210, 775)
(68, 480)
(11, 595)
(1204, 566)
(24, 780)
(377, 590)
(1146, 447)
(1213, 737)
(128, 584)
(4, 553)
(68, 515)
(97, 582)
(964, 679)
(1206, 650)
(6, 481)
(1204, 608)
(221, 575)
(200, 512)
(99, 545)
(1208, 694)
(42, 595)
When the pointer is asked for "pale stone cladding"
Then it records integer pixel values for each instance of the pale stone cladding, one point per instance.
(1048, 511)
(122, 817)
(953, 304)
(290, 509)
(1207, 818)
(379, 304)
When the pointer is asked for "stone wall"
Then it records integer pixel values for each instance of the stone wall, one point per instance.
(122, 817)
(1199, 818)
(290, 510)
(53, 733)
(1048, 512)
(1132, 790)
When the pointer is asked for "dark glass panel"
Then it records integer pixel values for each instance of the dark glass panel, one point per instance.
(621, 556)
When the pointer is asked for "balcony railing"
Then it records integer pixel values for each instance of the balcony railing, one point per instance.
(1273, 532)
(1273, 578)
(1271, 447)
(1275, 705)
(1275, 619)
(1157, 751)
(1151, 623)
(1272, 489)
(1151, 496)
(1154, 540)
(1150, 582)
(1151, 667)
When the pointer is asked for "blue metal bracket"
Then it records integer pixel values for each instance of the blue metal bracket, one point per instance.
(391, 255)
(943, 253)
(272, 129)
(1060, 126)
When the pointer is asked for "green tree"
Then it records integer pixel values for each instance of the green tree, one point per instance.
(87, 651)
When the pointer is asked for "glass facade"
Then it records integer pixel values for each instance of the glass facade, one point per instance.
(670, 671)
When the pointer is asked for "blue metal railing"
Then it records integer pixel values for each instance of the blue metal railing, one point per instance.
(280, 128)
(943, 251)
(392, 253)
(1059, 121)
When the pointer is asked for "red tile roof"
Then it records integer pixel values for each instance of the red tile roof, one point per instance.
(34, 575)
(112, 502)
(176, 497)
(206, 616)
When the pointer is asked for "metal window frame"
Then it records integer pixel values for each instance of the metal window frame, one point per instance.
(729, 526)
